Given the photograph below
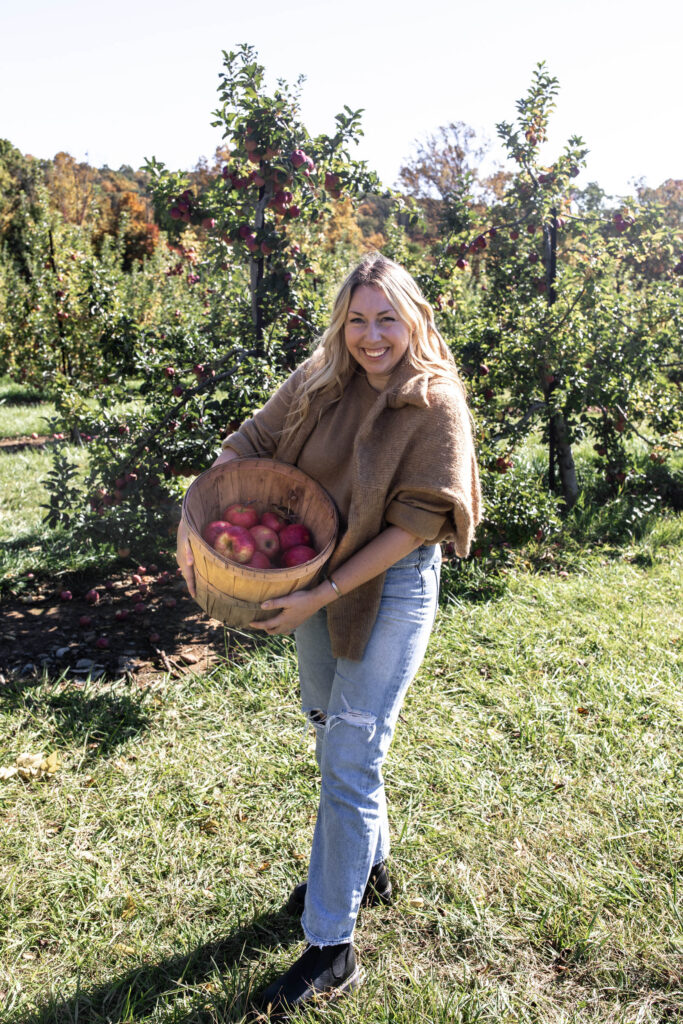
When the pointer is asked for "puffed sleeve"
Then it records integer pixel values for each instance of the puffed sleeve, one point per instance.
(258, 436)
(436, 494)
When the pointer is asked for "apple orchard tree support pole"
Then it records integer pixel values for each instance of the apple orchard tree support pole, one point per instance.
(256, 272)
(550, 259)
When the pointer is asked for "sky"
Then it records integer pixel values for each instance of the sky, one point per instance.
(116, 83)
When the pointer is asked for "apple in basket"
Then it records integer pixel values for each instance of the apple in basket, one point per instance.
(240, 514)
(233, 542)
(259, 561)
(297, 555)
(273, 521)
(293, 535)
(265, 539)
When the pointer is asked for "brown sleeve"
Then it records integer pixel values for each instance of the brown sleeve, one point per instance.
(436, 494)
(258, 436)
(409, 512)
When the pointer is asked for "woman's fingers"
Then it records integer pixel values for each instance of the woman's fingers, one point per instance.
(185, 559)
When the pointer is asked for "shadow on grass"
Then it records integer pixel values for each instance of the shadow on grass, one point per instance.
(12, 393)
(105, 719)
(144, 991)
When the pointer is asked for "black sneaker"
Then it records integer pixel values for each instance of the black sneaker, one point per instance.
(322, 973)
(377, 891)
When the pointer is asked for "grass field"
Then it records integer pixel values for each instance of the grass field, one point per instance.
(22, 412)
(535, 801)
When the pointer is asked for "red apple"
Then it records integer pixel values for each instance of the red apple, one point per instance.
(212, 530)
(85, 621)
(92, 597)
(265, 539)
(297, 555)
(272, 521)
(241, 515)
(102, 642)
(259, 561)
(294, 534)
(233, 542)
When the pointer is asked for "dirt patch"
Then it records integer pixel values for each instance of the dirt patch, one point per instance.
(141, 624)
(17, 444)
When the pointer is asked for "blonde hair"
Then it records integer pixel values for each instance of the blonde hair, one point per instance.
(332, 364)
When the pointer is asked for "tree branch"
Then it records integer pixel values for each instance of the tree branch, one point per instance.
(534, 408)
(211, 382)
(647, 440)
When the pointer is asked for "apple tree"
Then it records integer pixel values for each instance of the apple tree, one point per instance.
(246, 239)
(565, 315)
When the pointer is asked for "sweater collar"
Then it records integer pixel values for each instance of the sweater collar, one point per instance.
(407, 386)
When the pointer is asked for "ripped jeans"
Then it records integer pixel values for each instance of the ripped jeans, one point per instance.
(354, 706)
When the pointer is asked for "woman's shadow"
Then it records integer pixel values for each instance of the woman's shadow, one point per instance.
(219, 980)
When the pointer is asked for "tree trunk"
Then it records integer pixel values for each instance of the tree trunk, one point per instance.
(564, 459)
(256, 275)
(560, 449)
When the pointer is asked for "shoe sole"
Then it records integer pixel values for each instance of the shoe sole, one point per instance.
(351, 984)
(357, 979)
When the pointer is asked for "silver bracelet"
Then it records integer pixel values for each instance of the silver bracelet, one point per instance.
(334, 586)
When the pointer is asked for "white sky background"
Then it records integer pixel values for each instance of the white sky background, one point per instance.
(114, 83)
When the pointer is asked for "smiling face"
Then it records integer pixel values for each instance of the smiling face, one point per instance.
(375, 335)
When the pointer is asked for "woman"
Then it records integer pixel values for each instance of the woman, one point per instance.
(378, 417)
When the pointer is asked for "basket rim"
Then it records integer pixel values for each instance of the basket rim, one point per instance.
(285, 574)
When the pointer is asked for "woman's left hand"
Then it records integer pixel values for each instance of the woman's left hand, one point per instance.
(292, 610)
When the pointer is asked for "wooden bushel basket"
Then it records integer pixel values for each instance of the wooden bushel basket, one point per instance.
(230, 592)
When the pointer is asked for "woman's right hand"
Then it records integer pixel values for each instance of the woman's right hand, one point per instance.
(185, 558)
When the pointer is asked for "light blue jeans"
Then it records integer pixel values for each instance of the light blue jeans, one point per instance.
(354, 706)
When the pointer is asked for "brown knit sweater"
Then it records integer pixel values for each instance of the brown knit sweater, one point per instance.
(412, 464)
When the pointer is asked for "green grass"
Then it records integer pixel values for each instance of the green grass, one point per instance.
(534, 789)
(22, 410)
(536, 809)
(22, 476)
(26, 544)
